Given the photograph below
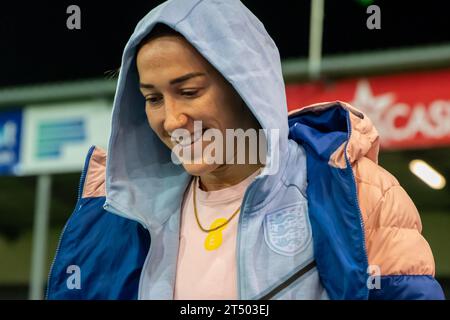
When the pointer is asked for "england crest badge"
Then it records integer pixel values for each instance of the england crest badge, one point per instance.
(288, 231)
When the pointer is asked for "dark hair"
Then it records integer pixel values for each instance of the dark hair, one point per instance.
(159, 30)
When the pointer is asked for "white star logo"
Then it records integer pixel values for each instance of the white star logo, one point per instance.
(373, 106)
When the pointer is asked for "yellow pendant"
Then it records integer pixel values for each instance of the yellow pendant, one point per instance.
(214, 239)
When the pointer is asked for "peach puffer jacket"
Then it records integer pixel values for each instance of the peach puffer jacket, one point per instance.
(394, 245)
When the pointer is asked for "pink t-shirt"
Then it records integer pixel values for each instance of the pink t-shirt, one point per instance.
(206, 267)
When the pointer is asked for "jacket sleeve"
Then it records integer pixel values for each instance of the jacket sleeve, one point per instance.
(397, 252)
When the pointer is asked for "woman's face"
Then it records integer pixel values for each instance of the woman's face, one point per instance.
(181, 87)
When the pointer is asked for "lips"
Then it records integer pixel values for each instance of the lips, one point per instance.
(187, 140)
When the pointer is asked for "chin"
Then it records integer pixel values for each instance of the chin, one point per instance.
(199, 169)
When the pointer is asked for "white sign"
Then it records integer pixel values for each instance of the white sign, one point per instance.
(57, 137)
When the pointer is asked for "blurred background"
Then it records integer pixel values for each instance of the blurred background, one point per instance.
(57, 85)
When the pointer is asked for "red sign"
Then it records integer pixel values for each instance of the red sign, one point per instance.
(409, 110)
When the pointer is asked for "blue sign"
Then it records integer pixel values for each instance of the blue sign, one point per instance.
(53, 135)
(10, 130)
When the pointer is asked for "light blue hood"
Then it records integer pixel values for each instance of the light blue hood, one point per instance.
(142, 183)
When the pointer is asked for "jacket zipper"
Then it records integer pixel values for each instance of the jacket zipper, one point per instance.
(289, 281)
(144, 266)
(355, 194)
(360, 217)
(77, 207)
(238, 240)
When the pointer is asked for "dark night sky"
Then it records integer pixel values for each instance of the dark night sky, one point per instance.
(36, 46)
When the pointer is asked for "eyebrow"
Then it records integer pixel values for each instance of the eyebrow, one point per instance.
(176, 80)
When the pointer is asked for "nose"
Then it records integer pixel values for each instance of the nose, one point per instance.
(174, 118)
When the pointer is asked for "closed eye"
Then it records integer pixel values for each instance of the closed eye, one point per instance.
(189, 93)
(153, 100)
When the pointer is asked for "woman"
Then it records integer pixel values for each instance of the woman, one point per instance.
(313, 217)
